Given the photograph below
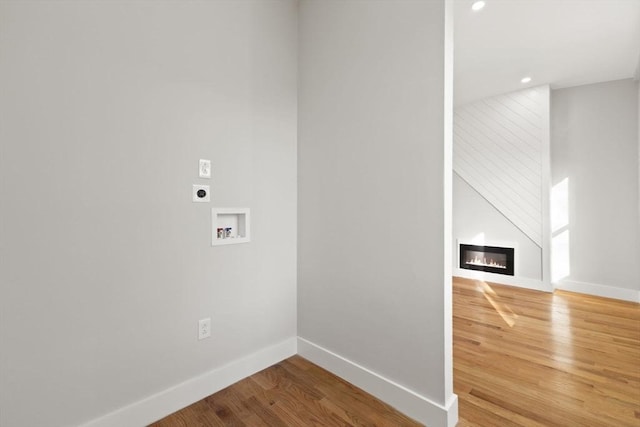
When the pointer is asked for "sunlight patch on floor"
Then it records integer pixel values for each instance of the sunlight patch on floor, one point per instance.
(503, 310)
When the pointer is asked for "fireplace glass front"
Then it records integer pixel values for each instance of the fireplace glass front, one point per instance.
(492, 259)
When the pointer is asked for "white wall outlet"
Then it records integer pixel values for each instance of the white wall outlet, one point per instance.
(204, 168)
(201, 193)
(204, 328)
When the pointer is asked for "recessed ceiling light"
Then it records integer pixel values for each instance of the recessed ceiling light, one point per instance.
(477, 5)
(526, 79)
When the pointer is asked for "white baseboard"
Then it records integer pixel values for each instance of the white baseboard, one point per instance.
(520, 282)
(401, 398)
(159, 405)
(599, 290)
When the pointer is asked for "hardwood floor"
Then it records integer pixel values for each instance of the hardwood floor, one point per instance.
(521, 358)
(528, 358)
(294, 392)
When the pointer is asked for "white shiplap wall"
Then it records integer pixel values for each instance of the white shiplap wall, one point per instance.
(500, 147)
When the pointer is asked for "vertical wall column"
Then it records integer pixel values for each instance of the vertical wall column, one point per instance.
(374, 296)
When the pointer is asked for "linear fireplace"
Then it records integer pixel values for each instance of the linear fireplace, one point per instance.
(492, 259)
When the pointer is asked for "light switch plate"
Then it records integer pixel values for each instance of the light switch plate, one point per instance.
(197, 193)
(204, 168)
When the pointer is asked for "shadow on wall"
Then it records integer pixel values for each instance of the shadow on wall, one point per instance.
(560, 242)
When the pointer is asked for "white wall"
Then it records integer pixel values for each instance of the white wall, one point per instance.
(105, 263)
(475, 218)
(501, 151)
(501, 147)
(373, 296)
(595, 146)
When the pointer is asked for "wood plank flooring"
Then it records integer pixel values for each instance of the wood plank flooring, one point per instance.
(294, 392)
(528, 358)
(521, 358)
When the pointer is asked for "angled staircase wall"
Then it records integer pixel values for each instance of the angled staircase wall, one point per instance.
(501, 149)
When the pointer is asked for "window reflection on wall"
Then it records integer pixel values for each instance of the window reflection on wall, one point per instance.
(560, 237)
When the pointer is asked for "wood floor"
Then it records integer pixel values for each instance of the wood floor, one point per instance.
(528, 358)
(293, 392)
(521, 358)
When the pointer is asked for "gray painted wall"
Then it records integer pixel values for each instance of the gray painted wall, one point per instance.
(594, 138)
(371, 176)
(105, 263)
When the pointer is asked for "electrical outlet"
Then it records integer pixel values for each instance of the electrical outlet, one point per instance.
(204, 168)
(204, 328)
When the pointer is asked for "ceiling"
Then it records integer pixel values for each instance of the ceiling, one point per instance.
(558, 42)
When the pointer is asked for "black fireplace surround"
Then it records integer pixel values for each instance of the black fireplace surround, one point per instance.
(492, 259)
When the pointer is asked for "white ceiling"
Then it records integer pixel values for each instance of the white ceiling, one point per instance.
(558, 42)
